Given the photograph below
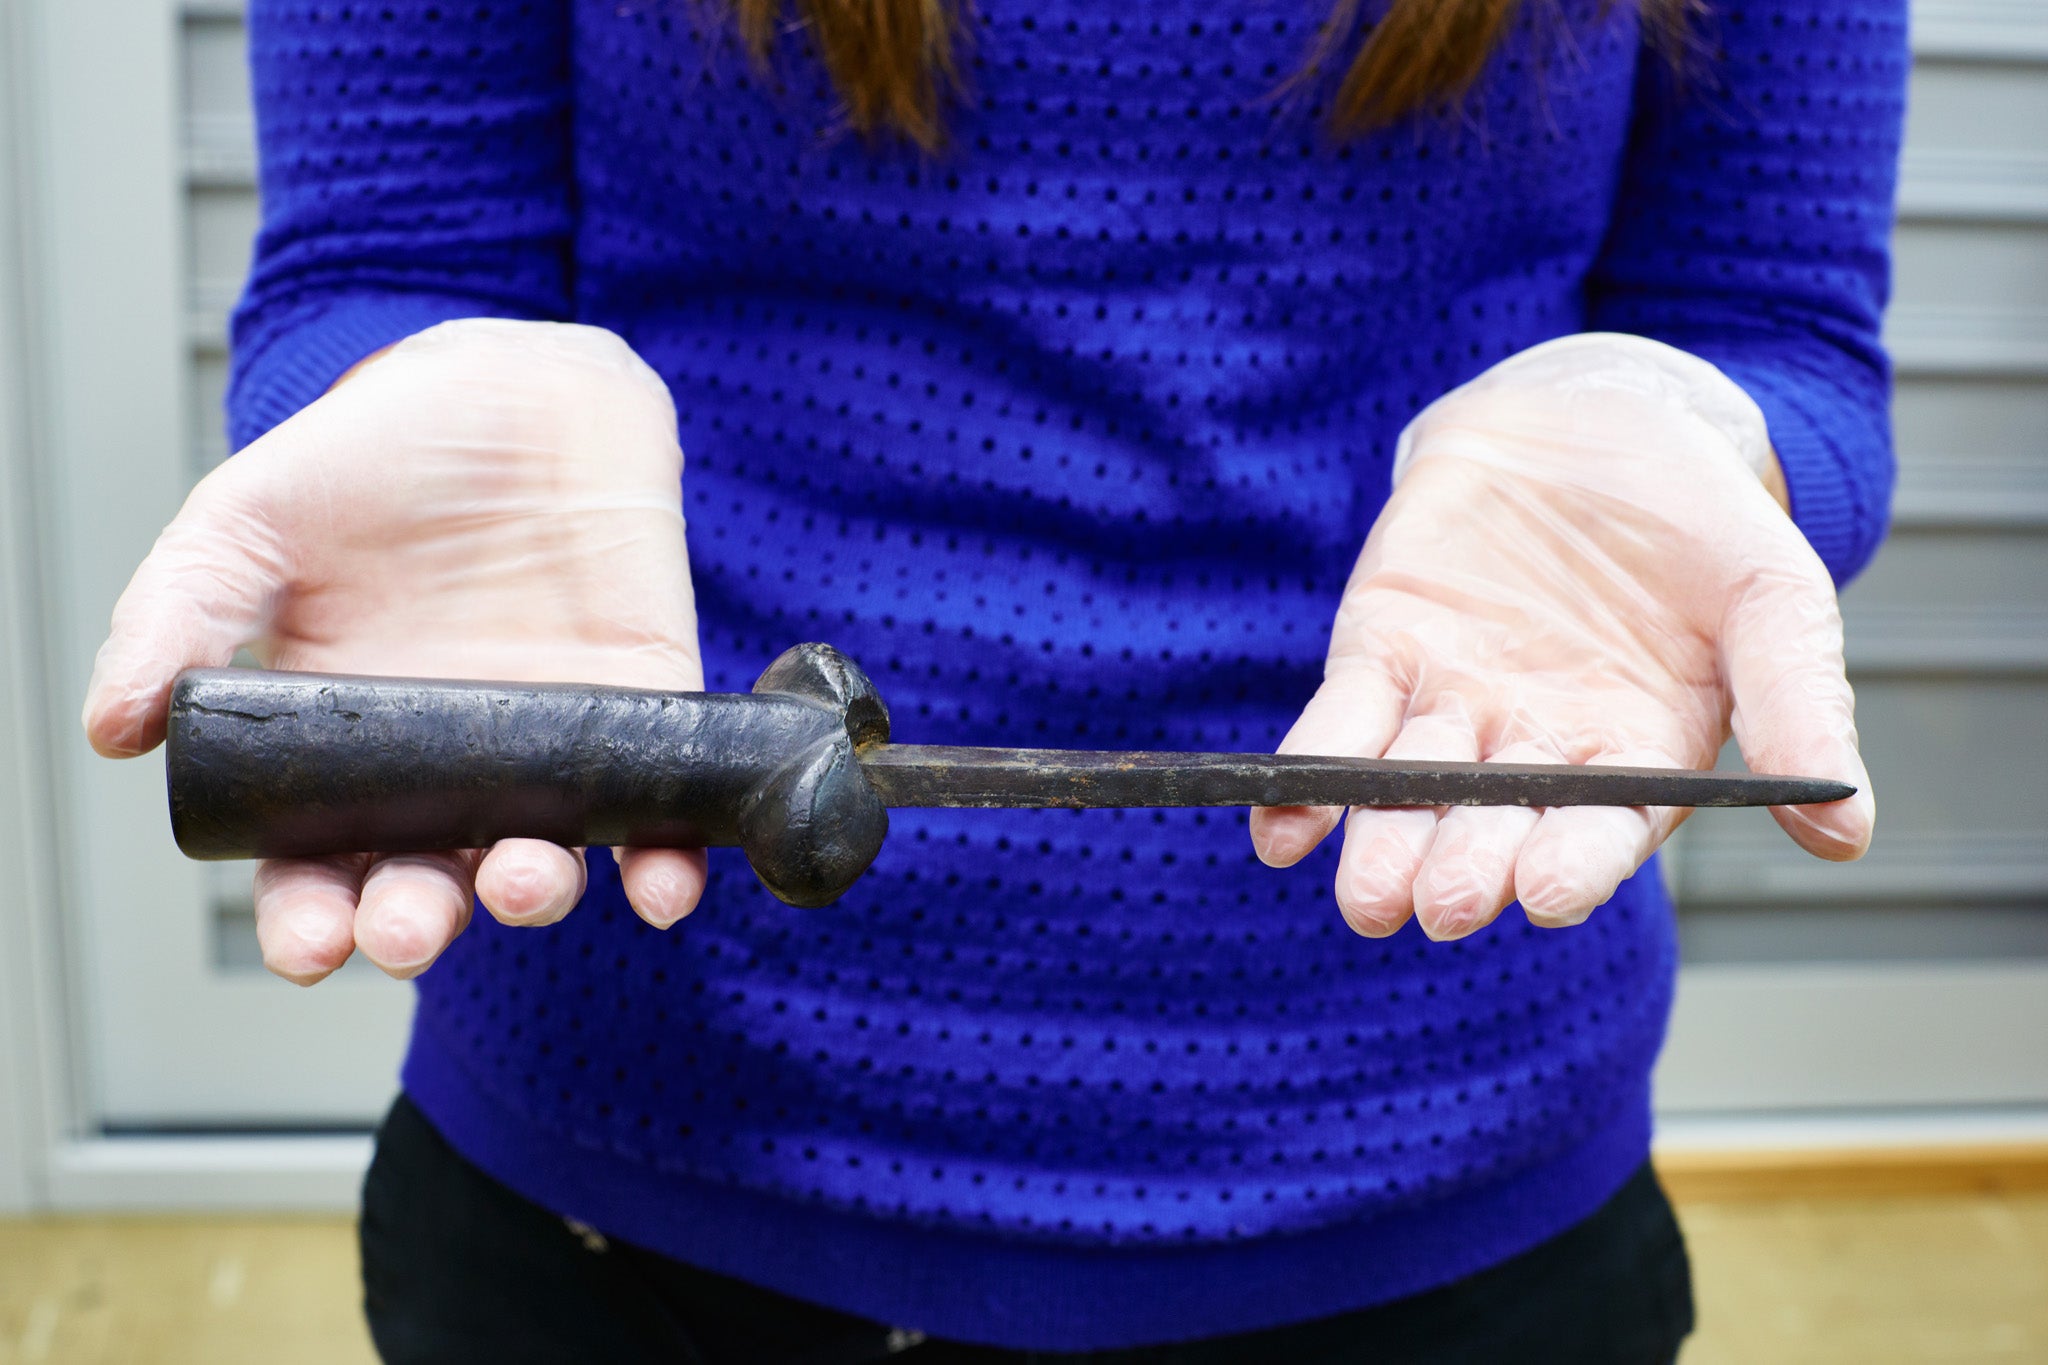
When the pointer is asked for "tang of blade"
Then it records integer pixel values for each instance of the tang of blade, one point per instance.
(944, 775)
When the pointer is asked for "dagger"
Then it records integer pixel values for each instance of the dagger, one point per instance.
(799, 773)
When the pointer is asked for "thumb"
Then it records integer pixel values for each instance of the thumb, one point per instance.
(207, 587)
(1794, 711)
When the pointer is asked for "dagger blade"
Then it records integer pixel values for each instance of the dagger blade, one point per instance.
(927, 775)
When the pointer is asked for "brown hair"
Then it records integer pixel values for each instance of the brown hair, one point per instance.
(895, 62)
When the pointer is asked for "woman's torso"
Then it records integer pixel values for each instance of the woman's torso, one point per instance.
(1069, 435)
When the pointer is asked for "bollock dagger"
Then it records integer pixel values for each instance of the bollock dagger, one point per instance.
(799, 773)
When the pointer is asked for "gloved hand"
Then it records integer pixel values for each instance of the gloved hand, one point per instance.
(1580, 563)
(488, 499)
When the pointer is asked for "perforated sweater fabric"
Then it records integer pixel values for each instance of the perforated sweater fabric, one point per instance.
(1070, 435)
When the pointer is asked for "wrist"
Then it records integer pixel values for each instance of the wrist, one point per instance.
(352, 371)
(1774, 482)
(1602, 371)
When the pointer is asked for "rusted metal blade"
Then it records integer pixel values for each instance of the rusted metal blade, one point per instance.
(944, 775)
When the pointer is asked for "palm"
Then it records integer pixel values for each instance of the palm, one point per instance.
(1582, 640)
(1564, 581)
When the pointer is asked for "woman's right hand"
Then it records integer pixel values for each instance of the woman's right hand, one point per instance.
(487, 499)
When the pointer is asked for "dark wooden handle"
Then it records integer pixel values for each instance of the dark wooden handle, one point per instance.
(264, 764)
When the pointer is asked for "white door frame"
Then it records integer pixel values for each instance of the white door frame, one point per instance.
(33, 1107)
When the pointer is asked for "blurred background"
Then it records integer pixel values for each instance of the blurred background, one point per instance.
(1876, 1032)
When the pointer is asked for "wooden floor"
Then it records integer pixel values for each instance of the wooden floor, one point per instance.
(215, 1291)
(1949, 1280)
(1958, 1280)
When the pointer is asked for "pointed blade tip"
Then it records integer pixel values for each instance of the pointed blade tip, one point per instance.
(1806, 791)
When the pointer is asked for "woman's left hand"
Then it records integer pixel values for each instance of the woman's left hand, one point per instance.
(1583, 561)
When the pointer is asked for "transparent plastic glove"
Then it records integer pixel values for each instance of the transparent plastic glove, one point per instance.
(488, 499)
(1580, 563)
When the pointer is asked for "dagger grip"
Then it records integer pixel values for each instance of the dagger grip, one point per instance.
(263, 764)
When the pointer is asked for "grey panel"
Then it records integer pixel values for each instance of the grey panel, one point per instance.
(1970, 297)
(1948, 601)
(1863, 933)
(1812, 1036)
(209, 423)
(1984, 30)
(220, 159)
(1978, 108)
(221, 226)
(215, 93)
(1948, 571)
(221, 210)
(1993, 266)
(1973, 139)
(1975, 418)
(1971, 452)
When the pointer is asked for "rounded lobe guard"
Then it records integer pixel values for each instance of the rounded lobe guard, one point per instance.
(813, 828)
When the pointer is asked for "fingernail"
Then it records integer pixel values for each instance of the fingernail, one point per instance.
(560, 901)
(1370, 926)
(1844, 833)
(1280, 847)
(411, 958)
(1553, 907)
(1450, 927)
(1374, 902)
(663, 892)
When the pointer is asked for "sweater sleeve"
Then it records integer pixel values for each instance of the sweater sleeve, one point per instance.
(1753, 229)
(415, 167)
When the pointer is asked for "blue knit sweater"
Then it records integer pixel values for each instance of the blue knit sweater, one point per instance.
(1070, 435)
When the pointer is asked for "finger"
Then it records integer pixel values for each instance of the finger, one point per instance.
(1469, 876)
(1576, 856)
(525, 882)
(305, 914)
(413, 905)
(1794, 711)
(206, 588)
(1384, 846)
(1356, 713)
(662, 884)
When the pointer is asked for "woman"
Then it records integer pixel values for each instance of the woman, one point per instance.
(1061, 391)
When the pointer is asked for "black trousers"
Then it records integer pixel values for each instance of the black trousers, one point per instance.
(458, 1269)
